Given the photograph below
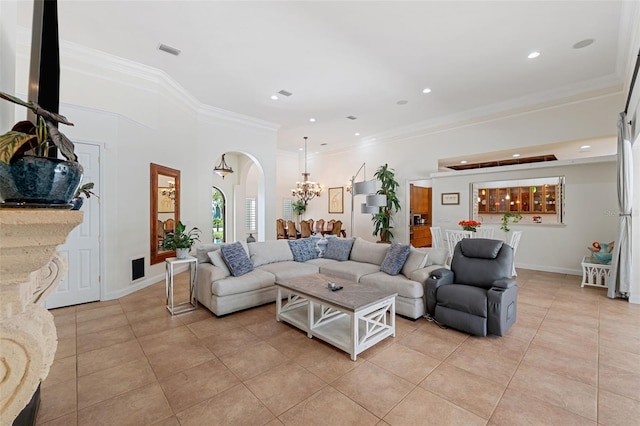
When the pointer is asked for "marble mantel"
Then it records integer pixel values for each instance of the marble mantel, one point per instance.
(30, 269)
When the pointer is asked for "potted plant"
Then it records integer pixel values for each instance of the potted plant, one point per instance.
(382, 219)
(507, 217)
(29, 175)
(180, 240)
(86, 190)
(299, 207)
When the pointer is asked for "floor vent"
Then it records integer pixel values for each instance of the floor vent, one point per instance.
(137, 269)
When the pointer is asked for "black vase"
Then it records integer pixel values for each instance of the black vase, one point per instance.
(39, 182)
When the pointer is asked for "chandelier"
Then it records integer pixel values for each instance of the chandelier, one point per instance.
(306, 190)
(223, 168)
(170, 192)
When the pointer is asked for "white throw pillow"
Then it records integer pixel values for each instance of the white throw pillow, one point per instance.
(216, 259)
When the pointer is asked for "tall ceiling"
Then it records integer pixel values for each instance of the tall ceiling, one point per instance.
(370, 60)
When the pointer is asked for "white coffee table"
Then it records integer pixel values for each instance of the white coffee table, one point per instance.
(352, 319)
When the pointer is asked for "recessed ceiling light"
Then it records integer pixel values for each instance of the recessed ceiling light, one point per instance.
(533, 55)
(274, 97)
(285, 93)
(583, 43)
(323, 144)
(463, 162)
(516, 155)
(299, 149)
(357, 134)
(352, 117)
(585, 147)
(402, 102)
(313, 120)
(426, 90)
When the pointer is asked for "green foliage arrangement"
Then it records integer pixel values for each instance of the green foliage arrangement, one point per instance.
(299, 207)
(180, 238)
(509, 217)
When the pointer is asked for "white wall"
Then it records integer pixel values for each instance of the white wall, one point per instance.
(140, 116)
(590, 213)
(8, 18)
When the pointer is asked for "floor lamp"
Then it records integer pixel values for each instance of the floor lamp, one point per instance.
(373, 201)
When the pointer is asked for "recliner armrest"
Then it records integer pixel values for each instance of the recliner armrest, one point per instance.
(438, 278)
(504, 283)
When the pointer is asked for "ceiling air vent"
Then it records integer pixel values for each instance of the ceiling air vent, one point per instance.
(351, 117)
(285, 93)
(169, 49)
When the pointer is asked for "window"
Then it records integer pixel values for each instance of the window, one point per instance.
(250, 215)
(287, 211)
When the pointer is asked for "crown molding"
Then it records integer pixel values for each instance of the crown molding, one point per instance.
(144, 73)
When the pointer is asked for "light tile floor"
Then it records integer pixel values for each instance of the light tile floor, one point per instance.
(573, 357)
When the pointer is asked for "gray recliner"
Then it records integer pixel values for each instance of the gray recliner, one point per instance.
(477, 295)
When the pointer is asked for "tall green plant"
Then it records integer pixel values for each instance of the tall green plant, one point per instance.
(388, 186)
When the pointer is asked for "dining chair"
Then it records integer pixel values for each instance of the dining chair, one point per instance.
(305, 229)
(291, 230)
(310, 221)
(436, 237)
(330, 226)
(515, 240)
(319, 226)
(454, 236)
(484, 233)
(336, 228)
(281, 229)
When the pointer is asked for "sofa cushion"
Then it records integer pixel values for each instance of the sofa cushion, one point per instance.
(202, 251)
(437, 256)
(270, 252)
(394, 259)
(416, 260)
(338, 248)
(368, 252)
(217, 260)
(321, 261)
(289, 269)
(236, 259)
(251, 281)
(303, 249)
(395, 283)
(349, 269)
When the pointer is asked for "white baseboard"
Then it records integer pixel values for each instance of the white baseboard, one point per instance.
(544, 268)
(140, 284)
(635, 300)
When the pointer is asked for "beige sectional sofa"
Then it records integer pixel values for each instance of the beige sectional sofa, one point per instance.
(223, 293)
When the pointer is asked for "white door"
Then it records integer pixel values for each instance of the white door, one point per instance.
(82, 249)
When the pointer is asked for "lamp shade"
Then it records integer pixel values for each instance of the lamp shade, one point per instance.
(368, 209)
(377, 200)
(364, 187)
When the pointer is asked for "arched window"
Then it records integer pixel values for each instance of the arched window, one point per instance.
(218, 215)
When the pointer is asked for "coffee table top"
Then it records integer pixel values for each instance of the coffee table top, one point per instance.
(353, 296)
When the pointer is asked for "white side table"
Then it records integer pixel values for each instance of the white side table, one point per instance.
(595, 274)
(192, 303)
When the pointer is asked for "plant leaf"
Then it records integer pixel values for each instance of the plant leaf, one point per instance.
(62, 142)
(10, 143)
(18, 101)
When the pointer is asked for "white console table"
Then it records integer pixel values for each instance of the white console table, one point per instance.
(595, 274)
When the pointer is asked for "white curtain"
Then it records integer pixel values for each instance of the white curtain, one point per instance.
(620, 279)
